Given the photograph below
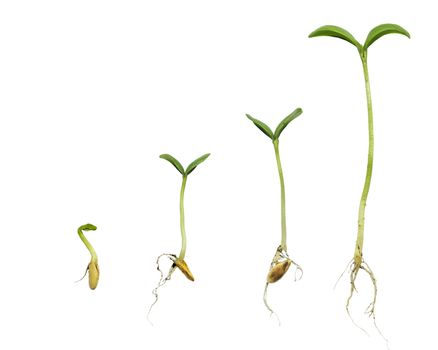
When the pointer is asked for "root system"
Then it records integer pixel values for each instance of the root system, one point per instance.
(176, 263)
(163, 279)
(279, 266)
(355, 266)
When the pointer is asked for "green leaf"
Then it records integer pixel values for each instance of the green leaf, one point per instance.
(382, 30)
(336, 32)
(174, 162)
(262, 126)
(88, 227)
(286, 121)
(196, 162)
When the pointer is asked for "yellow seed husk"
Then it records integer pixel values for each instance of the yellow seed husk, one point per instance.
(182, 265)
(278, 270)
(93, 274)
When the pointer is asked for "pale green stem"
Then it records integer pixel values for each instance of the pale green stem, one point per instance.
(283, 196)
(182, 253)
(88, 245)
(363, 200)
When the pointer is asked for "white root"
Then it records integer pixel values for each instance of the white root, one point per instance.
(265, 300)
(354, 270)
(370, 310)
(343, 273)
(163, 279)
(297, 269)
(85, 274)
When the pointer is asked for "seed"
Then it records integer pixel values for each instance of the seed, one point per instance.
(278, 270)
(182, 265)
(93, 274)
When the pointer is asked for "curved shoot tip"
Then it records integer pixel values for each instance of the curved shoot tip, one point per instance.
(384, 29)
(336, 32)
(88, 227)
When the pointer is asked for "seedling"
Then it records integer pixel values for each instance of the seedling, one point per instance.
(281, 261)
(177, 261)
(93, 266)
(358, 262)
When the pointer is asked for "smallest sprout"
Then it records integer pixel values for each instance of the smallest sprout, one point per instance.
(93, 266)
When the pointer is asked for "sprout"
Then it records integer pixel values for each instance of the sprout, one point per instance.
(93, 266)
(177, 261)
(281, 261)
(358, 262)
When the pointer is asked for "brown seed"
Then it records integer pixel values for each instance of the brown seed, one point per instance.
(93, 274)
(278, 270)
(182, 265)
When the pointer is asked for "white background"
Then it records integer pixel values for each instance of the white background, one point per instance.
(91, 92)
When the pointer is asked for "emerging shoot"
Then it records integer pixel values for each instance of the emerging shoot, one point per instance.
(281, 261)
(177, 261)
(358, 262)
(93, 266)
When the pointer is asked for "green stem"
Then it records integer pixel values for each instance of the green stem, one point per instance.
(283, 195)
(88, 245)
(363, 200)
(182, 253)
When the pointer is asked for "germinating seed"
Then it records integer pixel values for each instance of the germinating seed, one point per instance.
(93, 266)
(93, 274)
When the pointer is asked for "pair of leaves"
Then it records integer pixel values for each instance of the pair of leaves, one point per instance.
(178, 165)
(373, 35)
(267, 130)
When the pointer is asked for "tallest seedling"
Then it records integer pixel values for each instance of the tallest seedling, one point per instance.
(281, 261)
(358, 262)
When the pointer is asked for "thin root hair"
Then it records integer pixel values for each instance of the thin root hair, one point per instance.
(85, 274)
(354, 270)
(299, 269)
(370, 310)
(265, 300)
(163, 279)
(343, 273)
